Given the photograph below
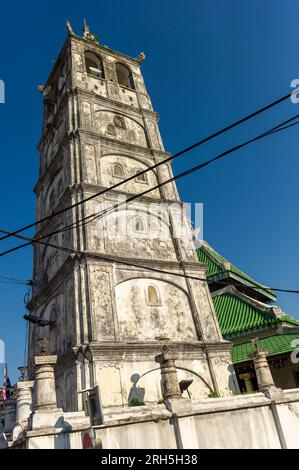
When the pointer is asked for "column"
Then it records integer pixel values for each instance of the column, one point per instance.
(24, 400)
(263, 374)
(170, 383)
(9, 417)
(262, 369)
(24, 407)
(45, 391)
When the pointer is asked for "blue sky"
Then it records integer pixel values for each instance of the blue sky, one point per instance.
(207, 64)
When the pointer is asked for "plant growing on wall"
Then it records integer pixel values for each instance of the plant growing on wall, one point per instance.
(136, 402)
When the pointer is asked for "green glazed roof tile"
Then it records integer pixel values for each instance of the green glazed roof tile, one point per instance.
(237, 316)
(206, 254)
(274, 345)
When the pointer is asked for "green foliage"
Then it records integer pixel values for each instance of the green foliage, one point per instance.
(213, 394)
(158, 419)
(136, 402)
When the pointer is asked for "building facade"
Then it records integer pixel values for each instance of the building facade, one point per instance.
(109, 303)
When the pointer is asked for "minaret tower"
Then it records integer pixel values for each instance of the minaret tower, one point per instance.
(107, 320)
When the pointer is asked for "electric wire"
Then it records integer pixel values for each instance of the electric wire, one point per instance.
(187, 149)
(280, 127)
(150, 268)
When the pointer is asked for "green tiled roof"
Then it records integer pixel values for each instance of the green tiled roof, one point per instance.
(290, 320)
(237, 316)
(278, 344)
(206, 254)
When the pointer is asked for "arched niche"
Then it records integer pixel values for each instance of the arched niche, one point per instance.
(118, 229)
(123, 132)
(140, 321)
(131, 166)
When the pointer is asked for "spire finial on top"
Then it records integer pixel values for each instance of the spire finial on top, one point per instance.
(87, 34)
(85, 26)
(69, 27)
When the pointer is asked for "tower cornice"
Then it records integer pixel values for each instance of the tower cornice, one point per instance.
(105, 49)
(120, 143)
(67, 268)
(124, 147)
(48, 227)
(77, 91)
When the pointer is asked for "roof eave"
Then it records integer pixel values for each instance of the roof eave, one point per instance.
(245, 282)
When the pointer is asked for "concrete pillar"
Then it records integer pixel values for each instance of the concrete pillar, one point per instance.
(9, 417)
(247, 380)
(262, 369)
(3, 440)
(263, 375)
(45, 412)
(170, 383)
(45, 391)
(24, 407)
(24, 400)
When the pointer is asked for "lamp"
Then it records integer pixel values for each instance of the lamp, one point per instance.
(184, 385)
(23, 372)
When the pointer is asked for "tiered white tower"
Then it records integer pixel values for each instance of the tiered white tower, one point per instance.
(108, 319)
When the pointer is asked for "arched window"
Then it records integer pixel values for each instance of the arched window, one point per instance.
(152, 296)
(110, 129)
(141, 178)
(118, 170)
(94, 65)
(124, 76)
(138, 225)
(119, 122)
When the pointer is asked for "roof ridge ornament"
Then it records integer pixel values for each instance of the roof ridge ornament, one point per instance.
(226, 265)
(87, 34)
(140, 57)
(277, 311)
(69, 27)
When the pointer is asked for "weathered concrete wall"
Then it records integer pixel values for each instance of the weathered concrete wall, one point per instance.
(141, 321)
(58, 440)
(213, 426)
(240, 422)
(157, 435)
(284, 376)
(122, 381)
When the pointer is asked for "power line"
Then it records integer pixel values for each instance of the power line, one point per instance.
(191, 147)
(135, 264)
(282, 126)
(10, 280)
(149, 268)
(196, 168)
